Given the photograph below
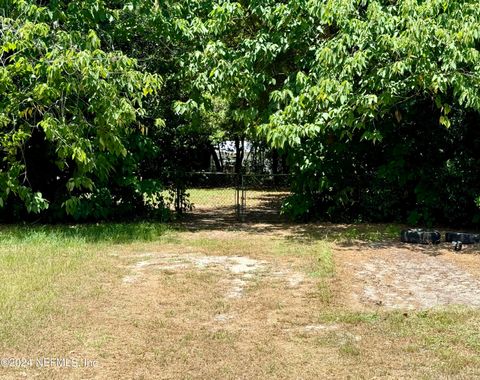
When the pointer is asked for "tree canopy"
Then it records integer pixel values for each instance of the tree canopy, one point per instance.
(375, 104)
(67, 107)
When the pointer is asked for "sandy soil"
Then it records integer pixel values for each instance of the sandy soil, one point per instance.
(215, 311)
(410, 277)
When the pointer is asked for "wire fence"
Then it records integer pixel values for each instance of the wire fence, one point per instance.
(223, 194)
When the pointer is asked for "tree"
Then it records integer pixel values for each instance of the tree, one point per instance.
(332, 81)
(68, 111)
(375, 103)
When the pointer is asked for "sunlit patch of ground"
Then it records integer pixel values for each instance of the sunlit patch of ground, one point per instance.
(256, 300)
(407, 277)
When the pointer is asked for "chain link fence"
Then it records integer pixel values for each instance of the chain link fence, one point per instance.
(215, 195)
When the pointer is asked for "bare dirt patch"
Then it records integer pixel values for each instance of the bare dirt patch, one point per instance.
(409, 277)
(237, 271)
(197, 315)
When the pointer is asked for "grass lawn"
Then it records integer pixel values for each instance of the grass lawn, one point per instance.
(224, 199)
(145, 300)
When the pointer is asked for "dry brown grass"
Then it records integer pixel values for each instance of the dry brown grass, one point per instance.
(177, 323)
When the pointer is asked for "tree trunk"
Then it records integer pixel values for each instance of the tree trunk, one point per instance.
(218, 164)
(220, 157)
(239, 152)
(274, 161)
(284, 164)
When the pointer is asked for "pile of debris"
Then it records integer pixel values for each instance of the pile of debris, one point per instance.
(420, 236)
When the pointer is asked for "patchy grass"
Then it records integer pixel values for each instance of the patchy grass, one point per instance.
(212, 198)
(102, 233)
(62, 293)
(43, 267)
(318, 262)
(349, 233)
(224, 199)
(450, 338)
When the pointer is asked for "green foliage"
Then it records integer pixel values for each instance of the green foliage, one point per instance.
(376, 103)
(352, 89)
(64, 98)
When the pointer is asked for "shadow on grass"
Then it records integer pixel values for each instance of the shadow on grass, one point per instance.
(113, 233)
(374, 235)
(263, 217)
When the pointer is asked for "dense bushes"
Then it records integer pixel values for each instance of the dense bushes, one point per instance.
(375, 103)
(420, 173)
(70, 114)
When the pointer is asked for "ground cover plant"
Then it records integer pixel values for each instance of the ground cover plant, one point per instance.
(254, 300)
(113, 116)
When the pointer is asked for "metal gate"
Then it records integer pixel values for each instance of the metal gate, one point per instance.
(240, 200)
(229, 196)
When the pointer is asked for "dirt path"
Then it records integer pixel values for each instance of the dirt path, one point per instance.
(409, 277)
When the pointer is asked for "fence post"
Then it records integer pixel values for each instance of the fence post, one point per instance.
(244, 198)
(178, 201)
(240, 198)
(180, 183)
(237, 197)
